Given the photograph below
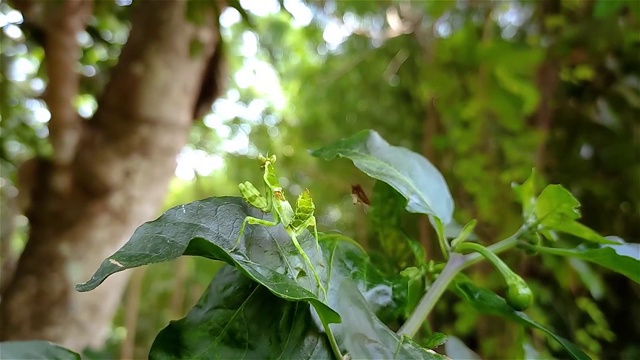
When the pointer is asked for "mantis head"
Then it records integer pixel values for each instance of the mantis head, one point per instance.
(265, 160)
(269, 176)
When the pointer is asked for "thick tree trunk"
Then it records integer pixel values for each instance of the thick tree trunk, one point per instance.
(108, 175)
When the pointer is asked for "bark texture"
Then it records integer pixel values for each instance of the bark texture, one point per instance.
(108, 175)
(547, 81)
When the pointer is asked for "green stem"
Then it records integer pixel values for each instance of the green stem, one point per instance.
(332, 341)
(426, 304)
(496, 248)
(456, 263)
(548, 250)
(495, 260)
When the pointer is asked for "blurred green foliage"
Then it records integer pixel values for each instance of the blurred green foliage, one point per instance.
(485, 89)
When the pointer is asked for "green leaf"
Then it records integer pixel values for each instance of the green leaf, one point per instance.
(605, 8)
(238, 318)
(526, 194)
(557, 210)
(621, 257)
(465, 233)
(209, 228)
(441, 232)
(487, 302)
(554, 210)
(415, 288)
(410, 173)
(555, 203)
(435, 339)
(418, 251)
(388, 218)
(359, 294)
(453, 229)
(35, 349)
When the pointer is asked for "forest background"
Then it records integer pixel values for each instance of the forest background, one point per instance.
(99, 100)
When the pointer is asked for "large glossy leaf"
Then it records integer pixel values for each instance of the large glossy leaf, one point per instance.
(35, 349)
(488, 302)
(237, 318)
(410, 173)
(209, 228)
(622, 257)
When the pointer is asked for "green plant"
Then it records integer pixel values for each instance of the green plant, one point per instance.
(261, 305)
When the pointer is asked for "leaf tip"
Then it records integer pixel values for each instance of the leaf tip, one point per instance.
(84, 287)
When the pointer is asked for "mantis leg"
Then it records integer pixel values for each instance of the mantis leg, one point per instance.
(312, 222)
(308, 261)
(253, 221)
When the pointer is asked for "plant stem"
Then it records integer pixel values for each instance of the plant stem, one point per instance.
(456, 263)
(496, 248)
(428, 301)
(488, 254)
(333, 343)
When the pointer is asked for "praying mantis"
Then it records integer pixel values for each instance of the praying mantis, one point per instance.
(274, 201)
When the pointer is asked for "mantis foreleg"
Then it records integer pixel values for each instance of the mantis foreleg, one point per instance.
(294, 239)
(253, 221)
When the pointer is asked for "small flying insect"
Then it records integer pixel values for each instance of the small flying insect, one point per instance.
(359, 196)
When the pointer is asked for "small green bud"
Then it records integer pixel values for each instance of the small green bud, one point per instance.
(519, 295)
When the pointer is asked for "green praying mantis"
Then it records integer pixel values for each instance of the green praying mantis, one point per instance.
(274, 201)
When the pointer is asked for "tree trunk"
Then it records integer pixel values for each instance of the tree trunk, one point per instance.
(547, 81)
(108, 175)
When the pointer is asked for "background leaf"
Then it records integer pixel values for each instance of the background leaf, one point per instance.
(435, 339)
(488, 302)
(605, 8)
(591, 279)
(410, 173)
(35, 349)
(621, 257)
(236, 318)
(557, 209)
